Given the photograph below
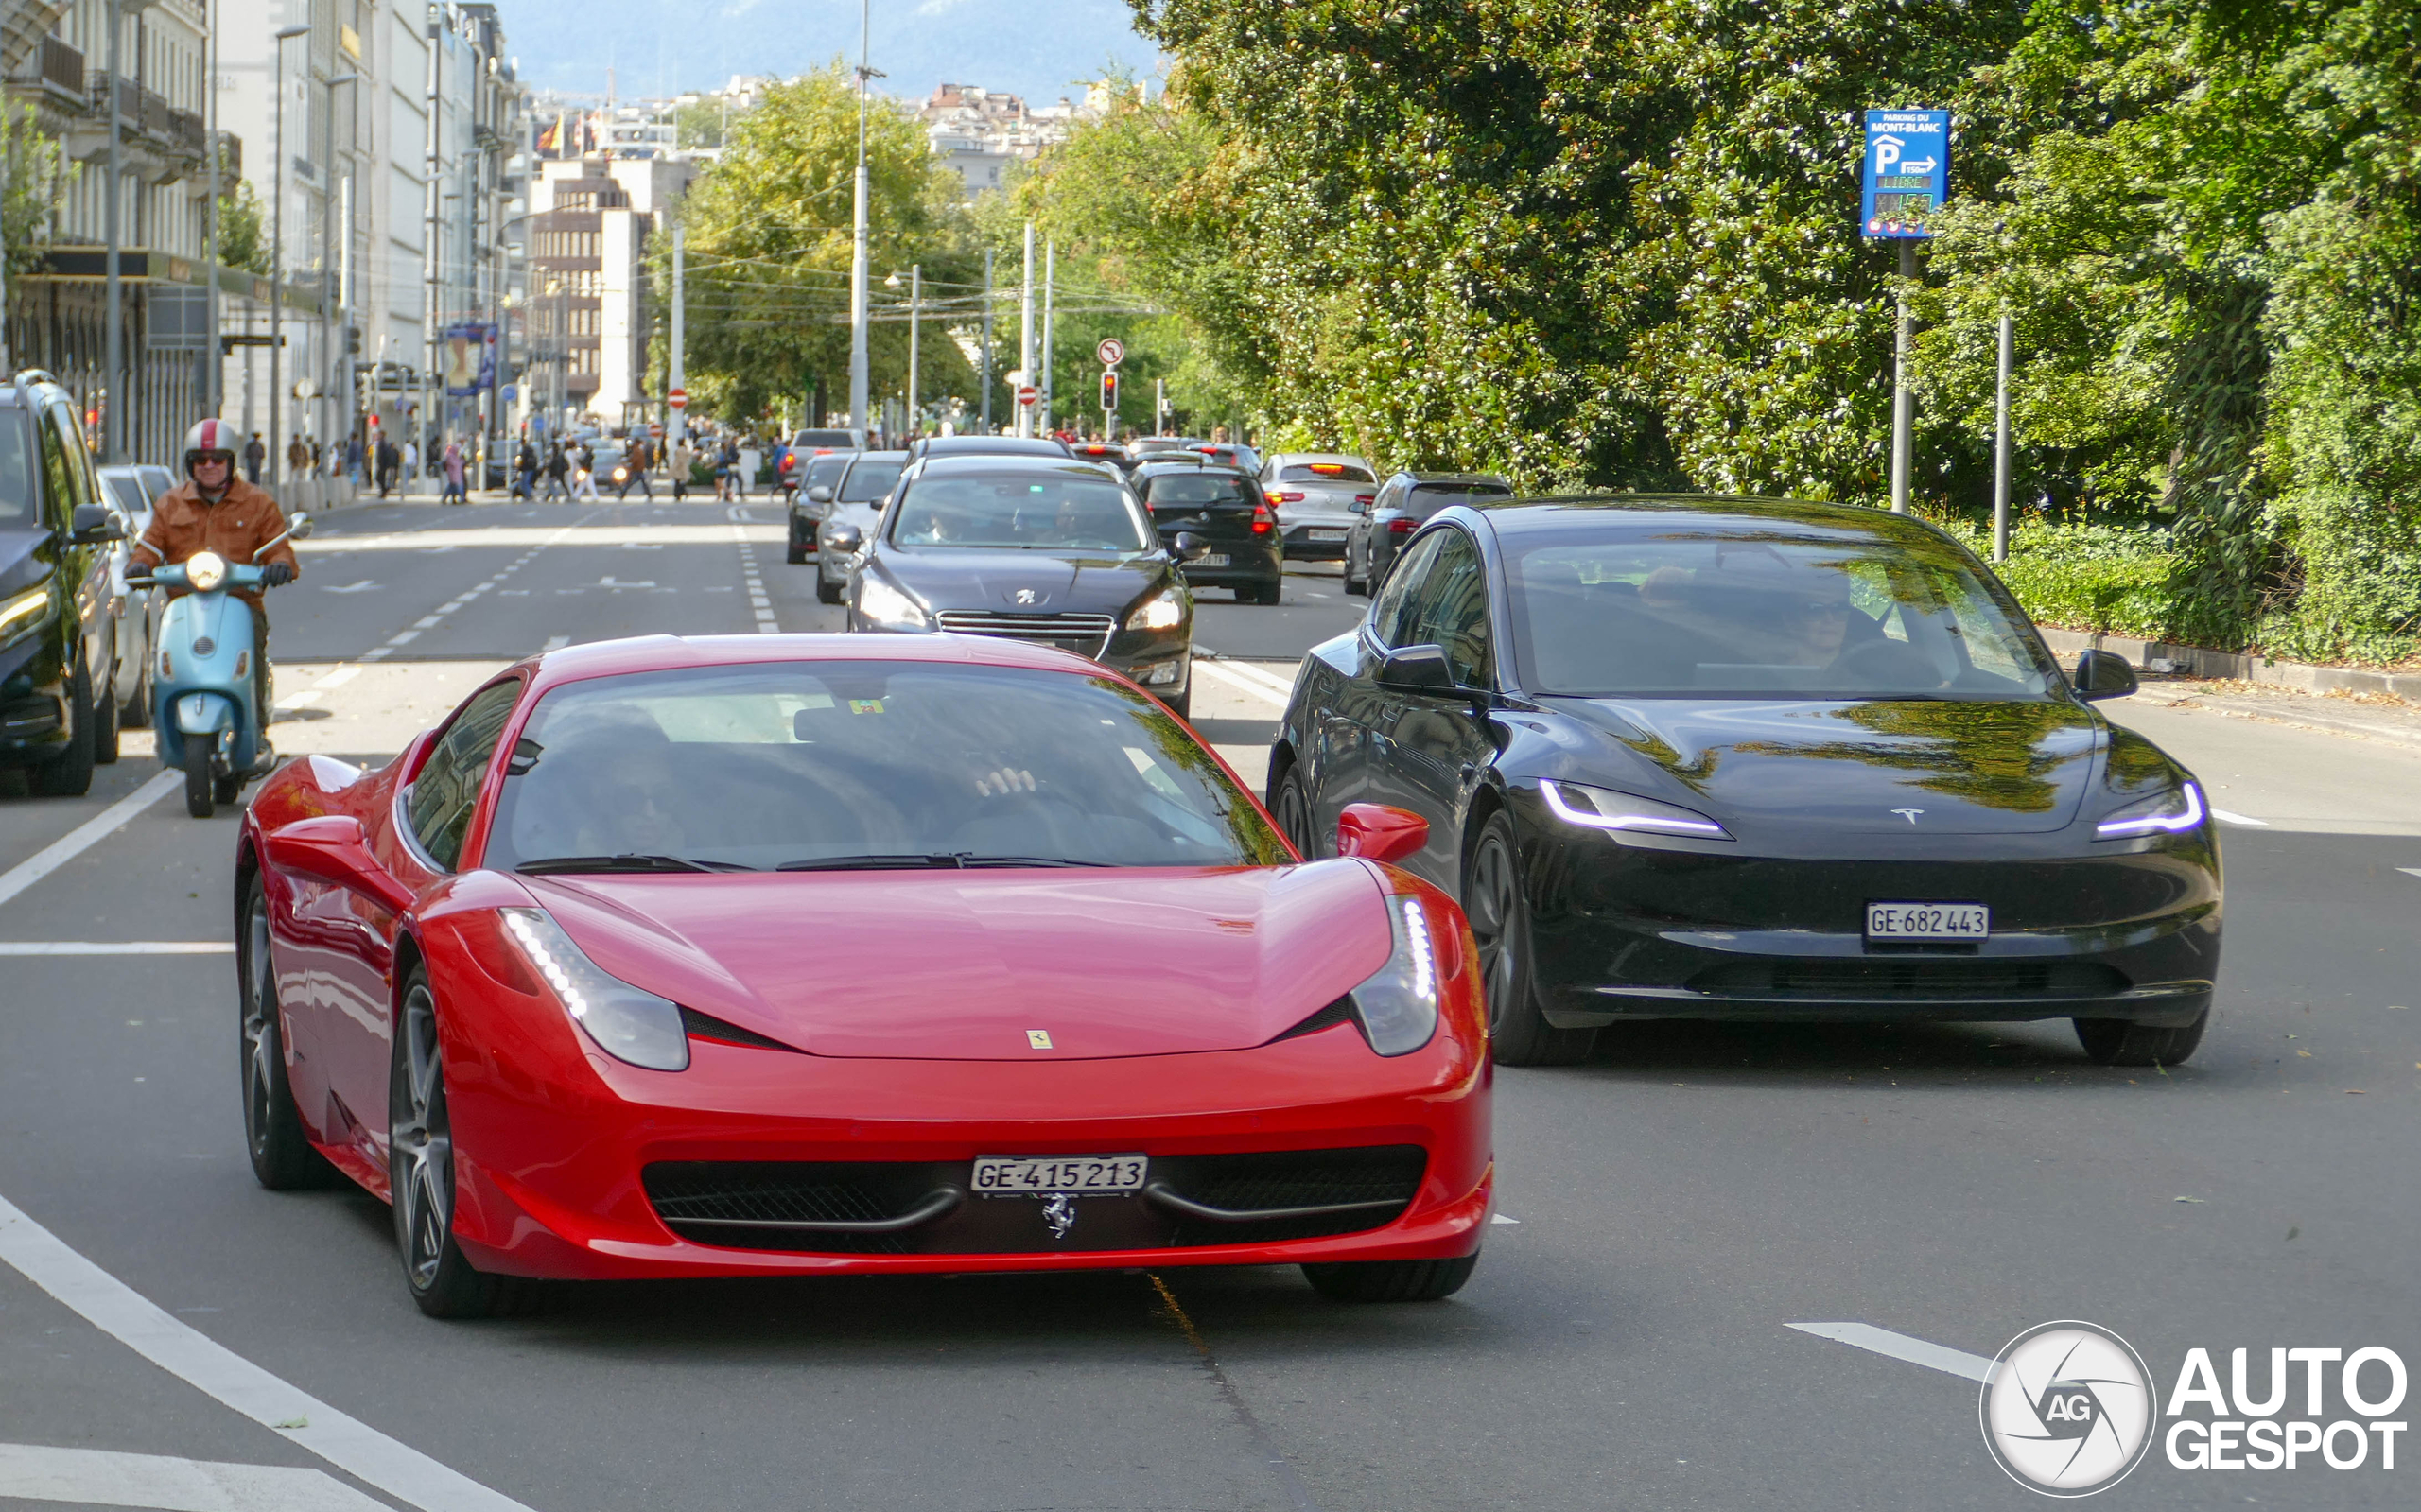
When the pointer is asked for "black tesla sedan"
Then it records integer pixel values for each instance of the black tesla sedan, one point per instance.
(1707, 757)
(1053, 552)
(1225, 509)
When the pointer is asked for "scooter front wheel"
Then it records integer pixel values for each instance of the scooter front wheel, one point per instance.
(199, 801)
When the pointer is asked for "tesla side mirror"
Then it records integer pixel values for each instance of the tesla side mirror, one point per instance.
(2104, 674)
(1189, 547)
(335, 848)
(1415, 670)
(1379, 833)
(846, 539)
(93, 524)
(820, 494)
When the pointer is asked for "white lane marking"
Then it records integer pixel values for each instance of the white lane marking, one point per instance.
(117, 948)
(199, 1361)
(1493, 1218)
(1221, 673)
(1283, 686)
(339, 678)
(66, 847)
(556, 643)
(2409, 870)
(96, 1477)
(2226, 818)
(1901, 1346)
(310, 695)
(365, 585)
(509, 536)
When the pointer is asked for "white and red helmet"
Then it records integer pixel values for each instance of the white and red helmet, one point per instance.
(211, 436)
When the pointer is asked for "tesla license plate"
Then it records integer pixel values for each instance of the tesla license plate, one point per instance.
(1927, 921)
(1328, 536)
(1008, 1175)
(1208, 562)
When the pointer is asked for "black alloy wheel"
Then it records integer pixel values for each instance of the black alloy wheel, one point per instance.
(826, 591)
(69, 774)
(420, 1170)
(282, 1160)
(1499, 919)
(1291, 805)
(1419, 1281)
(2117, 1042)
(1357, 587)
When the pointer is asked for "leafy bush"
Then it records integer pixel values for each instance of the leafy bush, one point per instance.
(2111, 578)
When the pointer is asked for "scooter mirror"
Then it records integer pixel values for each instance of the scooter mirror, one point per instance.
(300, 528)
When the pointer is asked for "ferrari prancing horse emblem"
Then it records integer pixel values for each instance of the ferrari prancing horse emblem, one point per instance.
(1037, 1039)
(1060, 1213)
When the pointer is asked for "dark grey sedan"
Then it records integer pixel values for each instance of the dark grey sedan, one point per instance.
(1381, 527)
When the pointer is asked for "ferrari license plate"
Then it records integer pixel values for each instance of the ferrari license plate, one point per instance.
(1214, 560)
(1328, 536)
(1009, 1176)
(1927, 921)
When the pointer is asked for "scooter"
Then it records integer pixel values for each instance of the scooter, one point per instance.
(202, 680)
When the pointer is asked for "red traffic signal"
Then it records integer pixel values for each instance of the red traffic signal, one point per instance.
(1108, 392)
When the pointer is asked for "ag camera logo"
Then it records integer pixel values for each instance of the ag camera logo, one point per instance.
(2069, 1409)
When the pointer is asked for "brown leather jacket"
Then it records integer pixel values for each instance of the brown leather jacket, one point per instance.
(234, 527)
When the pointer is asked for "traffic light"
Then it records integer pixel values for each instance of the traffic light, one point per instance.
(353, 340)
(1109, 391)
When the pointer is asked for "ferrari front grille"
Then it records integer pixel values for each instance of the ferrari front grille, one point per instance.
(1085, 634)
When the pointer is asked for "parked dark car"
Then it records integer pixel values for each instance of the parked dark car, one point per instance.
(987, 446)
(58, 634)
(1226, 511)
(1695, 757)
(1403, 502)
(1032, 550)
(806, 511)
(856, 503)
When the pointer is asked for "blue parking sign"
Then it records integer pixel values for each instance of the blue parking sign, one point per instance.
(1908, 171)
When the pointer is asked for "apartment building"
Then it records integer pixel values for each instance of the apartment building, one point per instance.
(592, 311)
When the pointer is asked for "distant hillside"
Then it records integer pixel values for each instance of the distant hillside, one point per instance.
(1037, 48)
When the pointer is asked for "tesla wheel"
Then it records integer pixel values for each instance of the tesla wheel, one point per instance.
(282, 1160)
(2117, 1042)
(196, 778)
(69, 774)
(1499, 919)
(826, 591)
(1391, 1280)
(420, 1170)
(1291, 805)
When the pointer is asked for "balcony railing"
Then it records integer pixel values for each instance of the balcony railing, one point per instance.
(186, 136)
(59, 69)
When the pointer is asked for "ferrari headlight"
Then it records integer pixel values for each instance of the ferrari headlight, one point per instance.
(205, 571)
(21, 614)
(888, 607)
(2171, 812)
(1399, 1003)
(1162, 611)
(1602, 808)
(628, 1023)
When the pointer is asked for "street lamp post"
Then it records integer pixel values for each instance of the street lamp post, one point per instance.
(858, 416)
(113, 418)
(276, 256)
(335, 292)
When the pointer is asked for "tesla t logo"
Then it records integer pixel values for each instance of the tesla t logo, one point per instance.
(1908, 814)
(1026, 596)
(1037, 1039)
(1060, 1213)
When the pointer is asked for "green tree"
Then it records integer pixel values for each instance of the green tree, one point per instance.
(243, 240)
(38, 176)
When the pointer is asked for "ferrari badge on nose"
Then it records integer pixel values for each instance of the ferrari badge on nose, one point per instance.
(1060, 1213)
(1037, 1039)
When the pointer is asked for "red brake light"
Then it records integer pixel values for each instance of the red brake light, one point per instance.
(1398, 526)
(1364, 498)
(1290, 499)
(1261, 521)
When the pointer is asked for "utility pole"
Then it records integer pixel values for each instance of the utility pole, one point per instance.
(2000, 447)
(916, 308)
(987, 341)
(1160, 406)
(1050, 277)
(676, 373)
(213, 361)
(114, 384)
(1025, 337)
(858, 414)
(1903, 403)
(276, 258)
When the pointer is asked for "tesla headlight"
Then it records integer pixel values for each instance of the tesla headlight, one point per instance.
(1602, 809)
(205, 571)
(1398, 1005)
(888, 607)
(2171, 812)
(21, 614)
(1162, 611)
(628, 1023)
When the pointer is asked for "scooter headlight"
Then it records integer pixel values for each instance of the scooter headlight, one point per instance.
(205, 571)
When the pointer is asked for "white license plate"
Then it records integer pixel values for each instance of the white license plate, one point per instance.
(1328, 536)
(1208, 562)
(1927, 921)
(1009, 1176)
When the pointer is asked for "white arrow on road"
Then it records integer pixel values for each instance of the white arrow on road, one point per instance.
(365, 585)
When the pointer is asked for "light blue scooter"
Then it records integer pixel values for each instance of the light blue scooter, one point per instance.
(202, 681)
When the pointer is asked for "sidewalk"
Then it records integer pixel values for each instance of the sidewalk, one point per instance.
(2368, 717)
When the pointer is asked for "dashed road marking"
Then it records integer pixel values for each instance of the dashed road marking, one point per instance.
(117, 948)
(1246, 680)
(757, 603)
(1901, 1346)
(430, 621)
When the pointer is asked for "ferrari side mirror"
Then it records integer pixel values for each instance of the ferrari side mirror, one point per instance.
(1377, 832)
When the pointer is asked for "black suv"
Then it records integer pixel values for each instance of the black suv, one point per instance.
(57, 638)
(1225, 509)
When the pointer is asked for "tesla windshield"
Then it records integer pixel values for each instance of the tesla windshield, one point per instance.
(1764, 613)
(1074, 509)
(864, 765)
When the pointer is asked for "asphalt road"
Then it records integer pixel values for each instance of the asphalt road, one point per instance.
(1681, 1199)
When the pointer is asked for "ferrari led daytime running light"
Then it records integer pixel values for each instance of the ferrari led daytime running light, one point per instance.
(205, 571)
(628, 1023)
(22, 613)
(1644, 815)
(2160, 813)
(1399, 1003)
(1160, 612)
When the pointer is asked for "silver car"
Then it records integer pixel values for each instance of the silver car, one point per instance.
(1314, 494)
(856, 501)
(1402, 503)
(131, 490)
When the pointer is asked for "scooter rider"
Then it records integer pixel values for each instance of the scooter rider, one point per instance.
(212, 509)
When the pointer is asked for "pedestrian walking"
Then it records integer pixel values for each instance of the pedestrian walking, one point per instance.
(558, 467)
(727, 469)
(584, 483)
(684, 457)
(525, 471)
(390, 462)
(298, 458)
(254, 455)
(454, 493)
(411, 465)
(634, 464)
(353, 461)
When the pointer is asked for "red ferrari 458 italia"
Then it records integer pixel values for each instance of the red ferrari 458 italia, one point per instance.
(800, 955)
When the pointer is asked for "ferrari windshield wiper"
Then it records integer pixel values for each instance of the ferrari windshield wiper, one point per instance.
(627, 861)
(936, 861)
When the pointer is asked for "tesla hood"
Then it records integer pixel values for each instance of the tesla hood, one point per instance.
(970, 964)
(2013, 767)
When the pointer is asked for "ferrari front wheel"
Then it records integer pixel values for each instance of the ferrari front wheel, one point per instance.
(282, 1160)
(1423, 1280)
(420, 1169)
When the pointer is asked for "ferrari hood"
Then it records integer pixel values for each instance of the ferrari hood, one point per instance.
(975, 964)
(1959, 768)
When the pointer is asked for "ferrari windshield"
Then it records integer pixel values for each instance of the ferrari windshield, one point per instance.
(809, 765)
(1059, 509)
(1765, 614)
